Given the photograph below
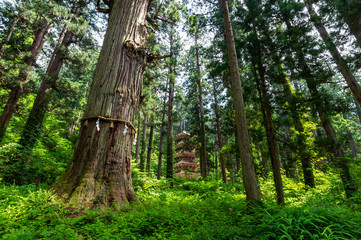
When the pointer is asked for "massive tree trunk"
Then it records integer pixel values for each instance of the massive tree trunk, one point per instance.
(219, 134)
(143, 143)
(332, 48)
(268, 123)
(248, 168)
(160, 150)
(203, 150)
(23, 77)
(100, 171)
(150, 142)
(7, 39)
(33, 126)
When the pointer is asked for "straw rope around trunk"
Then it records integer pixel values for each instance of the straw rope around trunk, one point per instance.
(111, 120)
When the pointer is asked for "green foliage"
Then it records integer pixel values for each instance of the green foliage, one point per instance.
(51, 153)
(190, 210)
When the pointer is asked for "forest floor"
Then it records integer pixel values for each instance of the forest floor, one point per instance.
(189, 210)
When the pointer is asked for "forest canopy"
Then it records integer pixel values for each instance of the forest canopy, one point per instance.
(135, 112)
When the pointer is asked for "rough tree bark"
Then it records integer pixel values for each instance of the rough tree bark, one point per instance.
(99, 173)
(7, 39)
(248, 168)
(159, 173)
(203, 150)
(219, 134)
(23, 77)
(337, 57)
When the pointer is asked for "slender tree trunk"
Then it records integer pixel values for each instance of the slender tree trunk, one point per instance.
(203, 151)
(100, 172)
(248, 168)
(151, 134)
(7, 39)
(138, 138)
(170, 150)
(270, 131)
(339, 60)
(159, 173)
(272, 145)
(293, 103)
(144, 143)
(23, 77)
(219, 134)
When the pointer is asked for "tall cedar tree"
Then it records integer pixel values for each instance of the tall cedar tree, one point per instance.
(150, 140)
(268, 120)
(170, 148)
(33, 125)
(219, 132)
(203, 150)
(194, 30)
(100, 171)
(319, 105)
(248, 169)
(290, 98)
(24, 74)
(160, 150)
(143, 143)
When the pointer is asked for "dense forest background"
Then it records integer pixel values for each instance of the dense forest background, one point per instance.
(94, 93)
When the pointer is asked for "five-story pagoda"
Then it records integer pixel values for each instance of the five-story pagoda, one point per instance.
(184, 157)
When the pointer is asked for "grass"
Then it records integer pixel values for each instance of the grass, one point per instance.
(190, 210)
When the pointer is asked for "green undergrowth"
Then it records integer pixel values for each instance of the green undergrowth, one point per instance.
(189, 210)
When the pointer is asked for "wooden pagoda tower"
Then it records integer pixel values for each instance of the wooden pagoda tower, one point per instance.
(184, 157)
